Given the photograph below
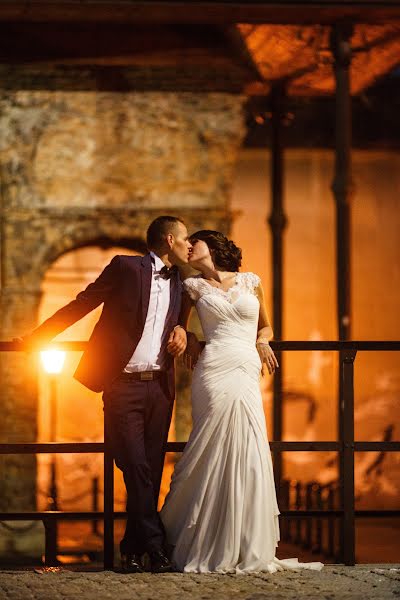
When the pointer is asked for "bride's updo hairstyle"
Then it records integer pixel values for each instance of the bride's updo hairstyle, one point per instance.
(226, 255)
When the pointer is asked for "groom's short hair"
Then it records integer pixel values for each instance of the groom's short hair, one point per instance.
(159, 229)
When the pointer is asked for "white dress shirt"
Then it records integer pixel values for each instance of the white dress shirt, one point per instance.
(148, 355)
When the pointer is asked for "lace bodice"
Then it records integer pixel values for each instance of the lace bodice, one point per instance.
(245, 283)
(227, 315)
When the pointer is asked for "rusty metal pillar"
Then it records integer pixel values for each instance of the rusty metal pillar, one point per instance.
(277, 221)
(342, 187)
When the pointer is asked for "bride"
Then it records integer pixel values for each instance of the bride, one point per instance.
(221, 513)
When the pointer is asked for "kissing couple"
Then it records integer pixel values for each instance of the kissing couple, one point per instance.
(221, 513)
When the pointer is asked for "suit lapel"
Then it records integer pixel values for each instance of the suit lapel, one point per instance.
(146, 274)
(173, 311)
(174, 307)
(173, 296)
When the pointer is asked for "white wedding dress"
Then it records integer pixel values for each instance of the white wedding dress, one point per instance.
(221, 513)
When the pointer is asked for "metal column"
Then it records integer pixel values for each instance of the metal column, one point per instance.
(342, 187)
(277, 221)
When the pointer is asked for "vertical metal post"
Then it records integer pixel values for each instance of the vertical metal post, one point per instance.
(50, 550)
(342, 185)
(347, 458)
(331, 522)
(108, 499)
(342, 188)
(51, 526)
(277, 221)
(298, 504)
(284, 502)
(317, 548)
(95, 503)
(309, 520)
(53, 491)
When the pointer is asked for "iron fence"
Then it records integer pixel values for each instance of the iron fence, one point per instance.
(320, 536)
(346, 446)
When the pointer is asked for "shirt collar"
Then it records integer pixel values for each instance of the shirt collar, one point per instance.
(158, 263)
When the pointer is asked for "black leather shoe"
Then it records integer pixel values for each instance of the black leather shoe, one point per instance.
(131, 563)
(159, 563)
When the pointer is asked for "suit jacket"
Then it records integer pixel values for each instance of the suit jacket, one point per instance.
(124, 288)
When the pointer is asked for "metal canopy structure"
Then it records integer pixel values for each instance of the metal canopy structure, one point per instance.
(259, 43)
(302, 56)
(198, 11)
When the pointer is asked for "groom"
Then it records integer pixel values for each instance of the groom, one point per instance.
(130, 357)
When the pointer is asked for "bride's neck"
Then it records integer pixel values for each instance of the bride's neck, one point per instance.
(212, 272)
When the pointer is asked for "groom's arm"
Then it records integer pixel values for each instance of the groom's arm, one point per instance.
(178, 337)
(87, 300)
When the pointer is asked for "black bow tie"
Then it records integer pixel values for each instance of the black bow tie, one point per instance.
(167, 273)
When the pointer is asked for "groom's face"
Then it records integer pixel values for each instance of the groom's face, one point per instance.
(180, 247)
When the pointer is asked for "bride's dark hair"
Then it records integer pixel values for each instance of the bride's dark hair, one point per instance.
(227, 255)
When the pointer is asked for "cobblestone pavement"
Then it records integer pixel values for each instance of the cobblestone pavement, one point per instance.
(380, 582)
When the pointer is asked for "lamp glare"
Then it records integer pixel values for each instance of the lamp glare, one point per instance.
(53, 361)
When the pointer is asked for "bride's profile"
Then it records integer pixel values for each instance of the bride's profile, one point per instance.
(221, 513)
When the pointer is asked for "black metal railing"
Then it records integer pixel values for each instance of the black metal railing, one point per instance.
(346, 446)
(315, 534)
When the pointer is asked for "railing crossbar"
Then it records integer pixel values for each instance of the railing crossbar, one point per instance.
(89, 515)
(276, 446)
(293, 345)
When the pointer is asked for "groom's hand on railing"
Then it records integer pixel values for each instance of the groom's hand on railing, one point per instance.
(28, 344)
(177, 341)
(20, 340)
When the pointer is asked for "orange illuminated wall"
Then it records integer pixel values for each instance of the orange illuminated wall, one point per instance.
(310, 379)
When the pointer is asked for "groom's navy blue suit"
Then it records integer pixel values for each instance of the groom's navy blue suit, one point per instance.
(137, 413)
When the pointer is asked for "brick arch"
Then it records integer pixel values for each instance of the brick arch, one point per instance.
(57, 250)
(71, 232)
(66, 231)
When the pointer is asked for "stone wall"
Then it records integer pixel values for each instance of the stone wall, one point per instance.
(81, 166)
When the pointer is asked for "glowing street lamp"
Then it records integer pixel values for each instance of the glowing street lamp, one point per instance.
(53, 362)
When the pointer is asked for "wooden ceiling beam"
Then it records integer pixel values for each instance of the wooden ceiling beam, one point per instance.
(197, 11)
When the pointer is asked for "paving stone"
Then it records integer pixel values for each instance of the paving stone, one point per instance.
(332, 583)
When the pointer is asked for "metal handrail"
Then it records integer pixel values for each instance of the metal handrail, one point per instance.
(346, 447)
(292, 345)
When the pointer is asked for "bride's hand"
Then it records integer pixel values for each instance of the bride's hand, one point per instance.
(267, 356)
(193, 350)
(177, 341)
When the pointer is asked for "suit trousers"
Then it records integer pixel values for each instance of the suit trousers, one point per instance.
(137, 418)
